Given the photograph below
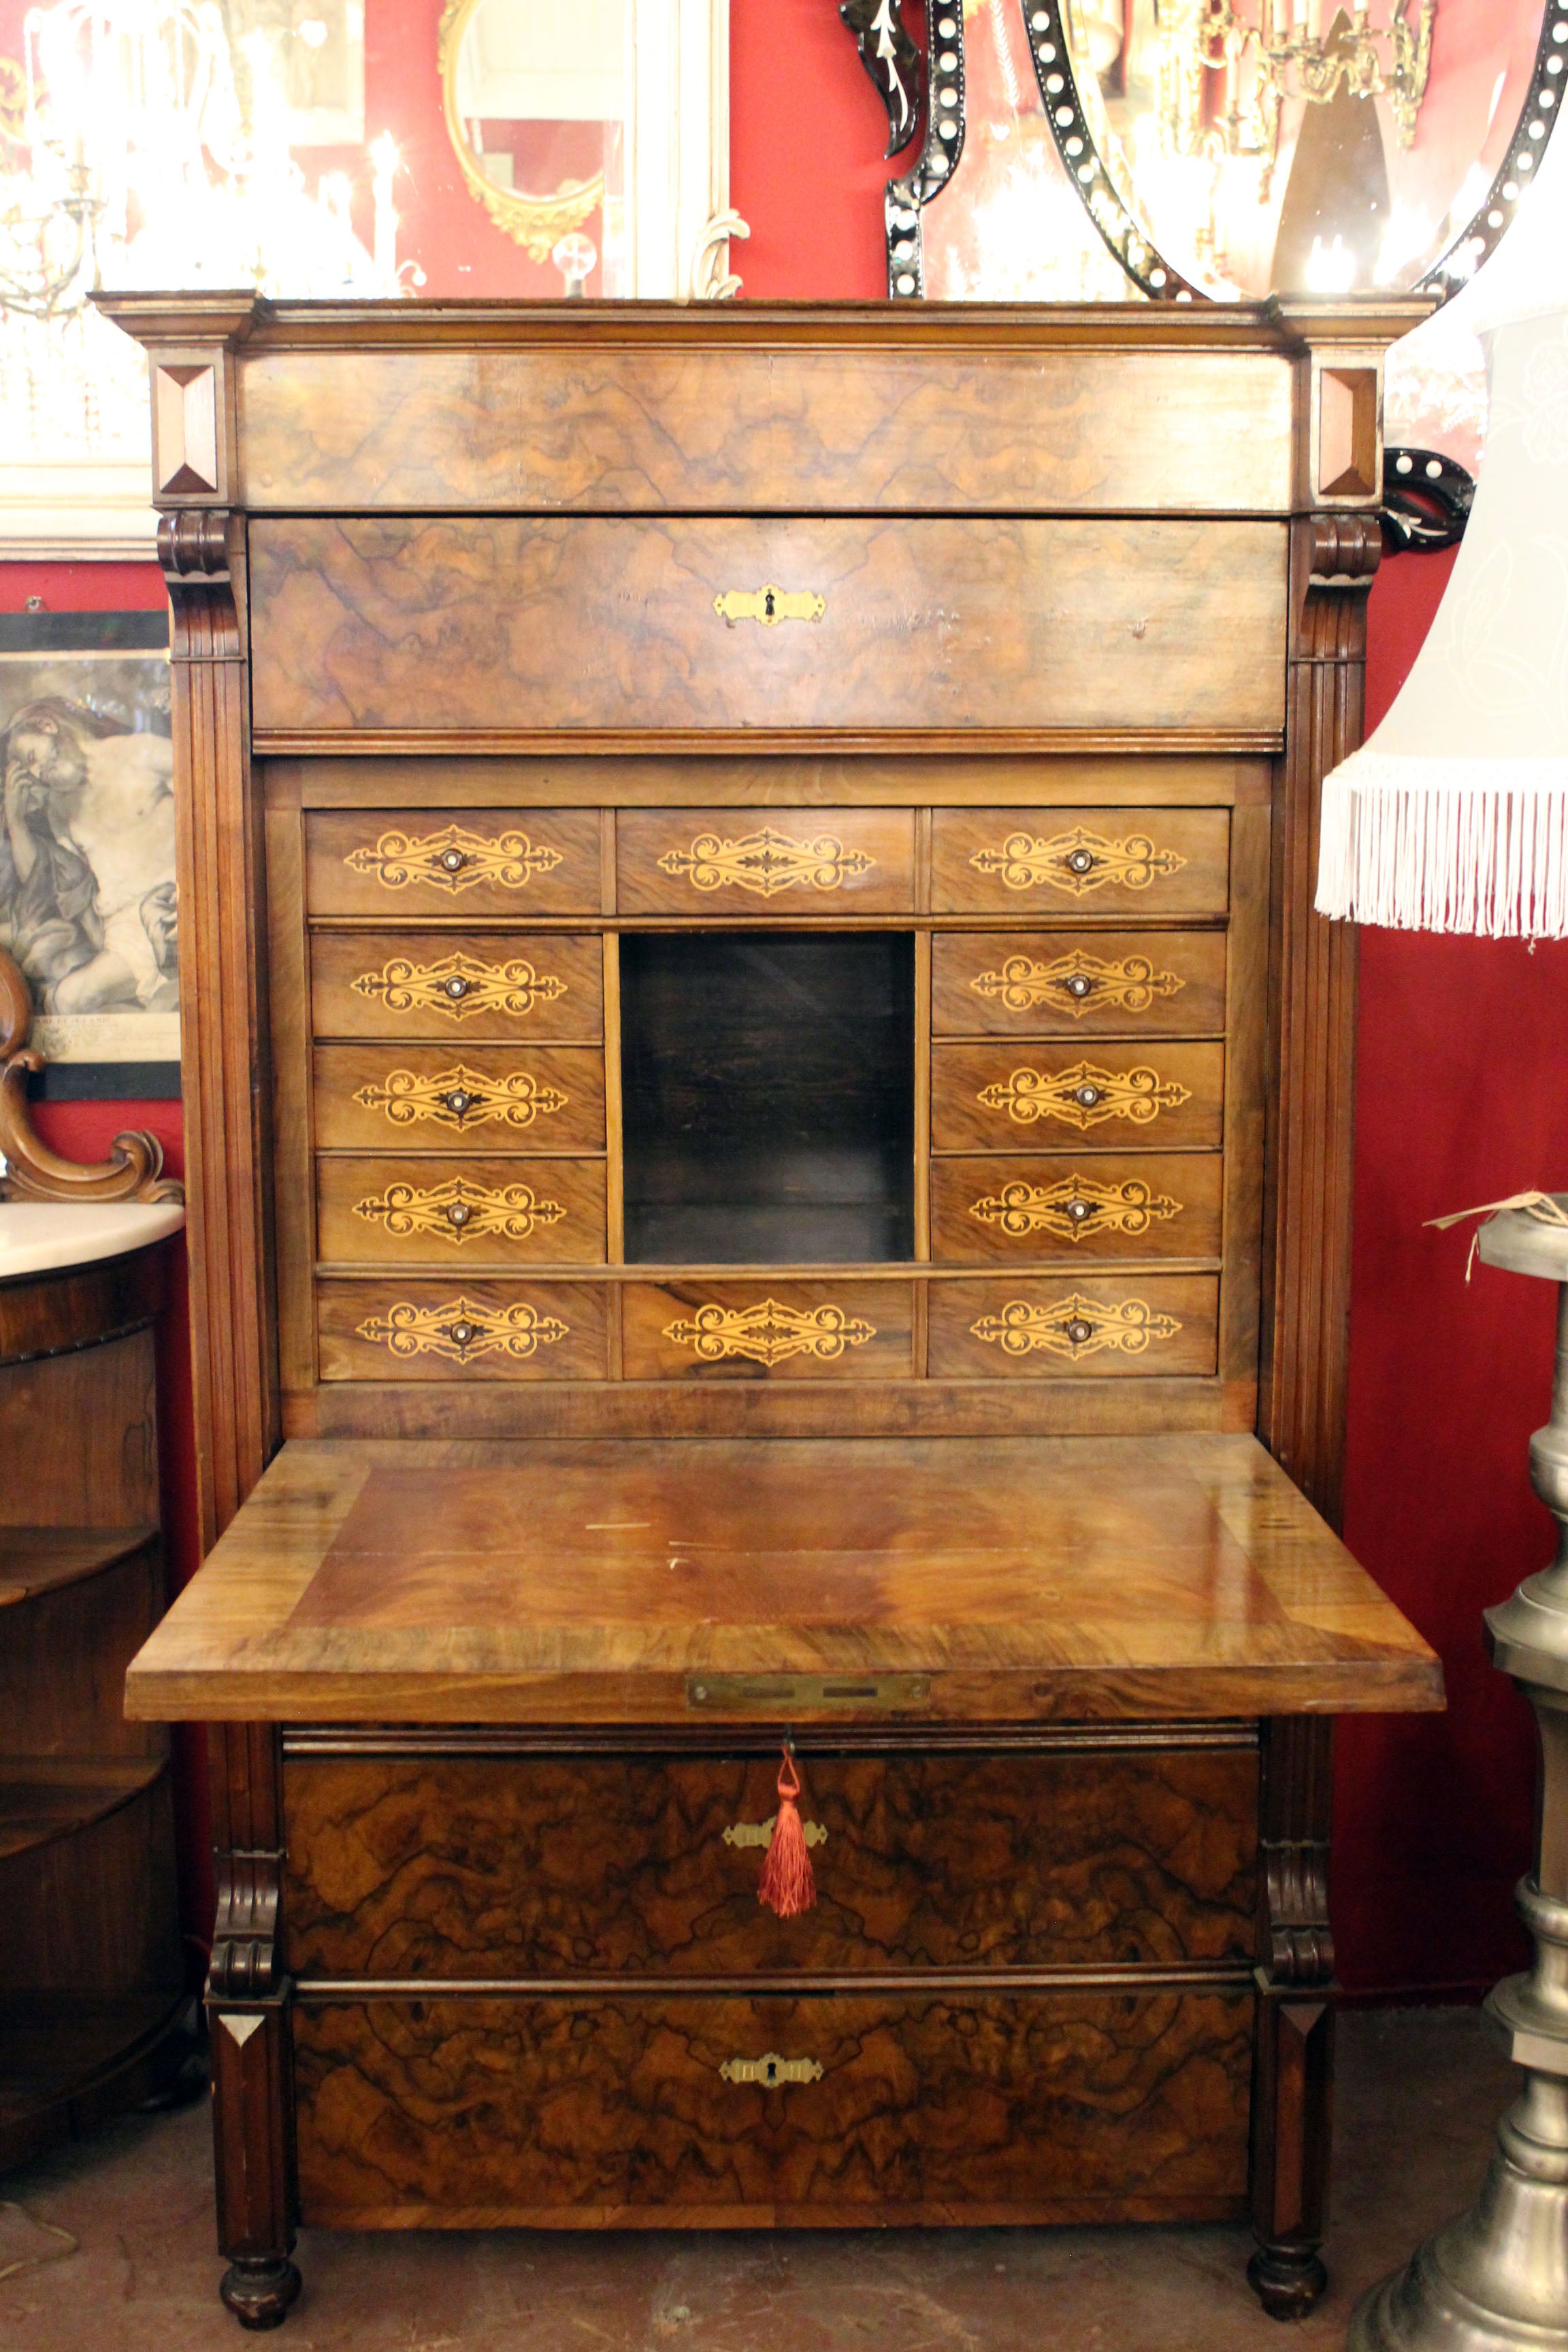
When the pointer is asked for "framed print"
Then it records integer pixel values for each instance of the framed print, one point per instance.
(88, 897)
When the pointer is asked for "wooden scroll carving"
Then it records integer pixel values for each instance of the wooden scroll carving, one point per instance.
(249, 1999)
(1293, 2067)
(134, 1169)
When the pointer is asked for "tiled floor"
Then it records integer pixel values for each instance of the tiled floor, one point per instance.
(1418, 2094)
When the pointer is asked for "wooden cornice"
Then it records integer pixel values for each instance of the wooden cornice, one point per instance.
(233, 319)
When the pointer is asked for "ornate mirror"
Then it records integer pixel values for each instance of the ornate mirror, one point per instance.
(1224, 150)
(536, 108)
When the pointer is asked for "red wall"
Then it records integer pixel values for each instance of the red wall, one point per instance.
(1459, 1100)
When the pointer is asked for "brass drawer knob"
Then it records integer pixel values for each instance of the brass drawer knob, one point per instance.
(762, 1832)
(772, 2070)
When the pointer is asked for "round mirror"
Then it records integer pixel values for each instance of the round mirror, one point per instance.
(1308, 146)
(536, 105)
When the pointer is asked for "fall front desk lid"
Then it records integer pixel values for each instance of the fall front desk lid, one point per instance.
(778, 1581)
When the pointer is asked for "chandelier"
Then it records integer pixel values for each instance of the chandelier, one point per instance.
(1281, 50)
(139, 146)
(47, 208)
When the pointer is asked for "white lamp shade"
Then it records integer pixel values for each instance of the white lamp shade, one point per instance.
(1454, 816)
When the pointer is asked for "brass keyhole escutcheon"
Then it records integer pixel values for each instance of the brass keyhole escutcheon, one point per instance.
(770, 604)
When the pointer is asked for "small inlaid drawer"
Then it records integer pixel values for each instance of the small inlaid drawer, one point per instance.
(461, 1328)
(1056, 1097)
(1055, 1328)
(418, 1211)
(469, 862)
(766, 862)
(1072, 861)
(698, 1330)
(449, 986)
(527, 1099)
(1067, 2104)
(989, 1210)
(1078, 983)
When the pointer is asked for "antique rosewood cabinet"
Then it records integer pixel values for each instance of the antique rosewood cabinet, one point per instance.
(769, 1126)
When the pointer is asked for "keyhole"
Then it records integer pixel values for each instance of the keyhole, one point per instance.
(768, 603)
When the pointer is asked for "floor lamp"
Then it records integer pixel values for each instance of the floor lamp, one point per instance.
(1453, 817)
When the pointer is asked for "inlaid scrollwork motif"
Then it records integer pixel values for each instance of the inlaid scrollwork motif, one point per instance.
(1076, 862)
(459, 984)
(460, 1332)
(460, 1211)
(1077, 982)
(770, 1333)
(766, 862)
(460, 1097)
(1075, 1326)
(1084, 1096)
(453, 859)
(1075, 1208)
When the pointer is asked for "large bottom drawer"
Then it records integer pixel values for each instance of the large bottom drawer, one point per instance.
(617, 2110)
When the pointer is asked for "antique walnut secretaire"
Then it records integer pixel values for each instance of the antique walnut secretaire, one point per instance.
(769, 1136)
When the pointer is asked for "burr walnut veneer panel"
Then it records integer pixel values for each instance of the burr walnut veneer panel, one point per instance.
(470, 1866)
(616, 2109)
(625, 427)
(414, 623)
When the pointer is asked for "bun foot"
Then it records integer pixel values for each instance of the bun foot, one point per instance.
(259, 2293)
(1287, 2279)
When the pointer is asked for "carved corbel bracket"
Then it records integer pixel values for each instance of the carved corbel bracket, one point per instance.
(1295, 1942)
(244, 1927)
(134, 1169)
(194, 555)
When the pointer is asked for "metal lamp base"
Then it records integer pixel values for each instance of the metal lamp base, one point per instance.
(1496, 2279)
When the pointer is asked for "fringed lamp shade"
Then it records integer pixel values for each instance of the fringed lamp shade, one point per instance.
(1454, 817)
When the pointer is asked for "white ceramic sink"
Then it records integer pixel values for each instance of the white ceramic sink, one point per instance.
(35, 1236)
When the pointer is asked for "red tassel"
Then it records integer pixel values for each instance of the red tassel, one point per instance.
(787, 1885)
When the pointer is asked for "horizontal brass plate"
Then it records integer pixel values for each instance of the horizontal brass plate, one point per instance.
(787, 1695)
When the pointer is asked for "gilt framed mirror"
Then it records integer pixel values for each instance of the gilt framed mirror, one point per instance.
(597, 138)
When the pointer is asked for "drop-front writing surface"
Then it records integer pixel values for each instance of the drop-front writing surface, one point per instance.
(611, 1582)
(768, 1113)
